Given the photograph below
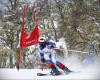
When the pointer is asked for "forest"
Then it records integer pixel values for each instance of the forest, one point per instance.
(78, 21)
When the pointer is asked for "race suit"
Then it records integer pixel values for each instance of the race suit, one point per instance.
(49, 55)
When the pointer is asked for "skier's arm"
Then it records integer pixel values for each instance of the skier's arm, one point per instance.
(41, 54)
(50, 43)
(42, 57)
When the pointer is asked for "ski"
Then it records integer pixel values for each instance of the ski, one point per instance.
(43, 74)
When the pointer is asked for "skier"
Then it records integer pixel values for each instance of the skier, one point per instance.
(48, 55)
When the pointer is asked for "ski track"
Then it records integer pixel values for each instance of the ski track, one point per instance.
(87, 71)
(31, 74)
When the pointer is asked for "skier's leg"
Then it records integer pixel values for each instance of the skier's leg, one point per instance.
(59, 64)
(54, 70)
(63, 67)
(51, 65)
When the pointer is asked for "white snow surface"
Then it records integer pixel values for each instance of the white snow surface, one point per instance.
(87, 71)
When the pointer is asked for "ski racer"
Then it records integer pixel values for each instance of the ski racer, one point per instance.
(48, 56)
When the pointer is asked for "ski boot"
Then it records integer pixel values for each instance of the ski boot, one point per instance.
(55, 71)
(66, 70)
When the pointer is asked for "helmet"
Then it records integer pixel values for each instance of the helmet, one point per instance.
(42, 39)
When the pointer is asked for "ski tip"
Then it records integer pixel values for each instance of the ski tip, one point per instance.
(41, 74)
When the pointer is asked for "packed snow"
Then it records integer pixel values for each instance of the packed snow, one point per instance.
(86, 71)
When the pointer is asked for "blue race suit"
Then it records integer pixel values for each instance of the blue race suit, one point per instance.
(49, 55)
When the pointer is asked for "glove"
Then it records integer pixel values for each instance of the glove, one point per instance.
(43, 60)
(52, 46)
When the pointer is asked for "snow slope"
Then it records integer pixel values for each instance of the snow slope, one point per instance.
(89, 69)
(86, 72)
